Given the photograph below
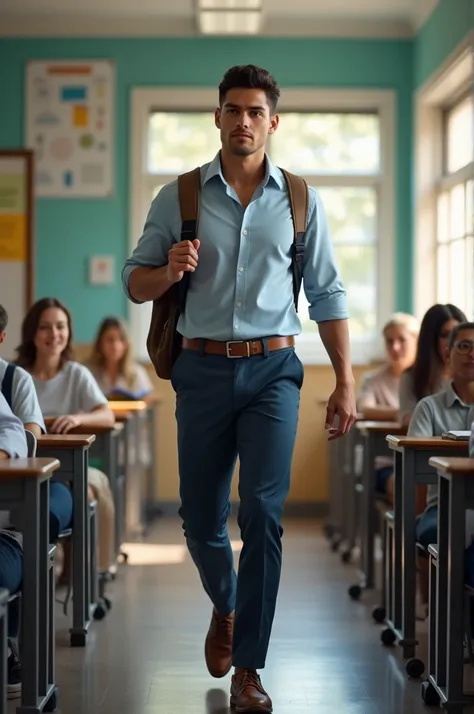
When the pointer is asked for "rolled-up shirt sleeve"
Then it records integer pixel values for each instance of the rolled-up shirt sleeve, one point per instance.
(158, 235)
(12, 433)
(321, 280)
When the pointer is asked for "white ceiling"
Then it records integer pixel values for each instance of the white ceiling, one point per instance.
(177, 17)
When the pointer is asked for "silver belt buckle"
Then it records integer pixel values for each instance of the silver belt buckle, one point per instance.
(236, 342)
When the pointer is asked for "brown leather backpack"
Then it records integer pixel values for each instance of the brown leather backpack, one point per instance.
(164, 342)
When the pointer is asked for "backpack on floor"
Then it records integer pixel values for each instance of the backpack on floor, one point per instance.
(163, 341)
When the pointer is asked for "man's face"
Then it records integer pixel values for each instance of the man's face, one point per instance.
(245, 121)
(461, 356)
(2, 336)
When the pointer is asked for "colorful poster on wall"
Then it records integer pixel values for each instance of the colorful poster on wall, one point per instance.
(69, 125)
(12, 209)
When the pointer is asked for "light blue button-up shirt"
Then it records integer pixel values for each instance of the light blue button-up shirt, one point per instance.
(243, 286)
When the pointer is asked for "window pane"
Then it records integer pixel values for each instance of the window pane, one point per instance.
(180, 141)
(443, 218)
(460, 135)
(470, 276)
(327, 143)
(357, 265)
(457, 213)
(351, 213)
(457, 283)
(470, 207)
(442, 270)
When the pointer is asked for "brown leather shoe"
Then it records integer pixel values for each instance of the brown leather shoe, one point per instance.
(247, 695)
(218, 647)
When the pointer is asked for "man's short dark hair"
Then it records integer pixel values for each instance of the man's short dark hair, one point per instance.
(249, 76)
(3, 319)
(456, 330)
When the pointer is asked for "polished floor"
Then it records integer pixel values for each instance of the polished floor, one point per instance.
(146, 657)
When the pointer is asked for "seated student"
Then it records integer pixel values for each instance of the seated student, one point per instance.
(67, 390)
(441, 412)
(378, 393)
(429, 374)
(113, 366)
(18, 389)
(12, 445)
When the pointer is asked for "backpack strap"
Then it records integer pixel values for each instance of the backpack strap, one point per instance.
(298, 195)
(7, 383)
(189, 190)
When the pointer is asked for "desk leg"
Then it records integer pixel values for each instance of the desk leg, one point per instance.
(30, 605)
(455, 592)
(43, 639)
(397, 545)
(442, 582)
(3, 652)
(368, 514)
(408, 555)
(80, 555)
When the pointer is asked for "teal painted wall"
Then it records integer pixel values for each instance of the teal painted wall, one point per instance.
(69, 231)
(440, 35)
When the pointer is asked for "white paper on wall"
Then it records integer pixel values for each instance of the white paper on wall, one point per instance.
(70, 126)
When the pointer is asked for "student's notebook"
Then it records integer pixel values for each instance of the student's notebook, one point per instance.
(457, 435)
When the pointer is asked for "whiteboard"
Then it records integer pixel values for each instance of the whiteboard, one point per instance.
(16, 240)
(69, 125)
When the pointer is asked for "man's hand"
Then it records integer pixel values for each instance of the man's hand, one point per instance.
(342, 404)
(183, 257)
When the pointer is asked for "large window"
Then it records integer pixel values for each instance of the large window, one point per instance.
(339, 151)
(454, 234)
(444, 187)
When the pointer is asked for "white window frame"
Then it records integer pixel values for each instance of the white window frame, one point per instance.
(383, 102)
(431, 101)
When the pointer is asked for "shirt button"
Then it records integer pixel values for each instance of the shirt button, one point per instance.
(236, 327)
(241, 270)
(245, 231)
(239, 304)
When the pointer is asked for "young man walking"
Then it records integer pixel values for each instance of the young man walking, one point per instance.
(238, 378)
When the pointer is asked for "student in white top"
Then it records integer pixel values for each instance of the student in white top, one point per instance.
(68, 391)
(112, 364)
(378, 393)
(18, 389)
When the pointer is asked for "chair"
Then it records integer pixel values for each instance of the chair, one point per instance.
(31, 443)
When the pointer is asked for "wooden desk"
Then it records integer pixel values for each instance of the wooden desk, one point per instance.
(106, 448)
(447, 623)
(24, 491)
(72, 450)
(412, 468)
(374, 435)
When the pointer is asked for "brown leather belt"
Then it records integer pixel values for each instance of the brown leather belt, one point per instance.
(235, 349)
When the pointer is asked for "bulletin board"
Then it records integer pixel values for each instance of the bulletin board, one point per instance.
(69, 125)
(16, 241)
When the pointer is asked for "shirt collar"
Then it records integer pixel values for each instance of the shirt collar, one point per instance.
(452, 398)
(271, 171)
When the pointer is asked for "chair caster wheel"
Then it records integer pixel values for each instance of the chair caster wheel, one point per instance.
(355, 592)
(429, 695)
(78, 639)
(328, 530)
(379, 614)
(414, 668)
(388, 637)
(346, 556)
(100, 612)
(52, 703)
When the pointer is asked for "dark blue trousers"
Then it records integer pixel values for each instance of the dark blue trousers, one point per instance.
(247, 408)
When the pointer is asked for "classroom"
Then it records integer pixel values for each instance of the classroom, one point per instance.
(237, 446)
